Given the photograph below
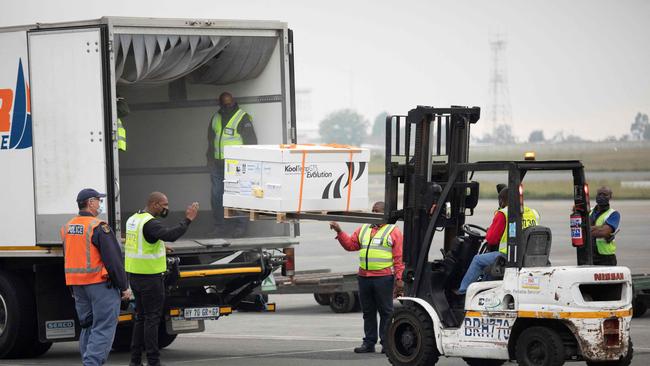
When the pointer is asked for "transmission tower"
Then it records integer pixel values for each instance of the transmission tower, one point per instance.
(500, 99)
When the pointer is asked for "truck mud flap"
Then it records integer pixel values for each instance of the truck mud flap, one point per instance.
(57, 319)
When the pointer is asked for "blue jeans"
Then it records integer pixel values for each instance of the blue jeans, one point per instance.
(217, 176)
(97, 309)
(376, 296)
(476, 268)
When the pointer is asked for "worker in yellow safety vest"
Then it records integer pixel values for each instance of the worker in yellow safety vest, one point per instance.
(145, 261)
(122, 111)
(604, 224)
(380, 274)
(230, 126)
(497, 229)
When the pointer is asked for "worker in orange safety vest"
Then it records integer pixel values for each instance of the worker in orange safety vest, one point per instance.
(94, 270)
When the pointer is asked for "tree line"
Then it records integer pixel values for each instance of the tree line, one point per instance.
(347, 126)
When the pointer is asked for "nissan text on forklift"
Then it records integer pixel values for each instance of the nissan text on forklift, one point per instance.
(529, 310)
(58, 134)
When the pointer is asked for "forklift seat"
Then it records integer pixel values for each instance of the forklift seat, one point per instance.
(536, 249)
(537, 246)
(496, 270)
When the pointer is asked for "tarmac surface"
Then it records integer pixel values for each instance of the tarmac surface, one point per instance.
(302, 332)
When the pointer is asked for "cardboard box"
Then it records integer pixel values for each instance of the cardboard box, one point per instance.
(296, 178)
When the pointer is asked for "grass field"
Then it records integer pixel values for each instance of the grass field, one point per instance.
(559, 189)
(614, 156)
(597, 157)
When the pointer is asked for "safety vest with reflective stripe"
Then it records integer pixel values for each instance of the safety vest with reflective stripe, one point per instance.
(140, 256)
(604, 248)
(376, 251)
(530, 217)
(82, 260)
(228, 135)
(121, 135)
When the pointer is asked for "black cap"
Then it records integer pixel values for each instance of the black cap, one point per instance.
(87, 193)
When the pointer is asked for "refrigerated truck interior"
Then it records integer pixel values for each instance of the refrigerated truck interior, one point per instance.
(58, 134)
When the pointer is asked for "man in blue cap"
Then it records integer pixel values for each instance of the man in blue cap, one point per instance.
(95, 272)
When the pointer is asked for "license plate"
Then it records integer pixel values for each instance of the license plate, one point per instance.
(201, 313)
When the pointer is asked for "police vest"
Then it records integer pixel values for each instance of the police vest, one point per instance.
(82, 260)
(228, 135)
(530, 217)
(121, 135)
(376, 251)
(604, 248)
(140, 256)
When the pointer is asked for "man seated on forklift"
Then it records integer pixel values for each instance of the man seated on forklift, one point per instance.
(496, 235)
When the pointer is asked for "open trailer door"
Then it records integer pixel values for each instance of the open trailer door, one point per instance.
(71, 112)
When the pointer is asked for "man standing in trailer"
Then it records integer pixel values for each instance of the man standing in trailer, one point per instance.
(230, 126)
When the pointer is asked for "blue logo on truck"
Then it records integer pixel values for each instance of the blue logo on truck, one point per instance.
(16, 115)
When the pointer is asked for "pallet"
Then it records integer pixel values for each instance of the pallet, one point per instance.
(316, 282)
(255, 215)
(293, 217)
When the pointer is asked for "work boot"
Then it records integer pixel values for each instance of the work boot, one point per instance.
(365, 348)
(383, 349)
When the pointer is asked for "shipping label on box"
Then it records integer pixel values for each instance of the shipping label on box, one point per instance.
(241, 177)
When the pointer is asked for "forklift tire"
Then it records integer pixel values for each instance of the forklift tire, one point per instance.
(639, 308)
(625, 361)
(322, 299)
(410, 339)
(343, 302)
(540, 346)
(18, 332)
(483, 362)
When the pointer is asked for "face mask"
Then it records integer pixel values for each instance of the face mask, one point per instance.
(228, 109)
(164, 213)
(101, 207)
(602, 200)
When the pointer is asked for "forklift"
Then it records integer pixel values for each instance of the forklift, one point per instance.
(524, 309)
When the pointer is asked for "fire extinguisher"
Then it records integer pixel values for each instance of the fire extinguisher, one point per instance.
(576, 229)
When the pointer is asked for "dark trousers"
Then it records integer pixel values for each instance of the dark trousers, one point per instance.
(604, 260)
(376, 295)
(149, 295)
(599, 259)
(216, 198)
(216, 177)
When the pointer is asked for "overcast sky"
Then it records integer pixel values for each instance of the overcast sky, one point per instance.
(578, 66)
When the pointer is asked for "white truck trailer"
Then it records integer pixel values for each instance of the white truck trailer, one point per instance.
(58, 128)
